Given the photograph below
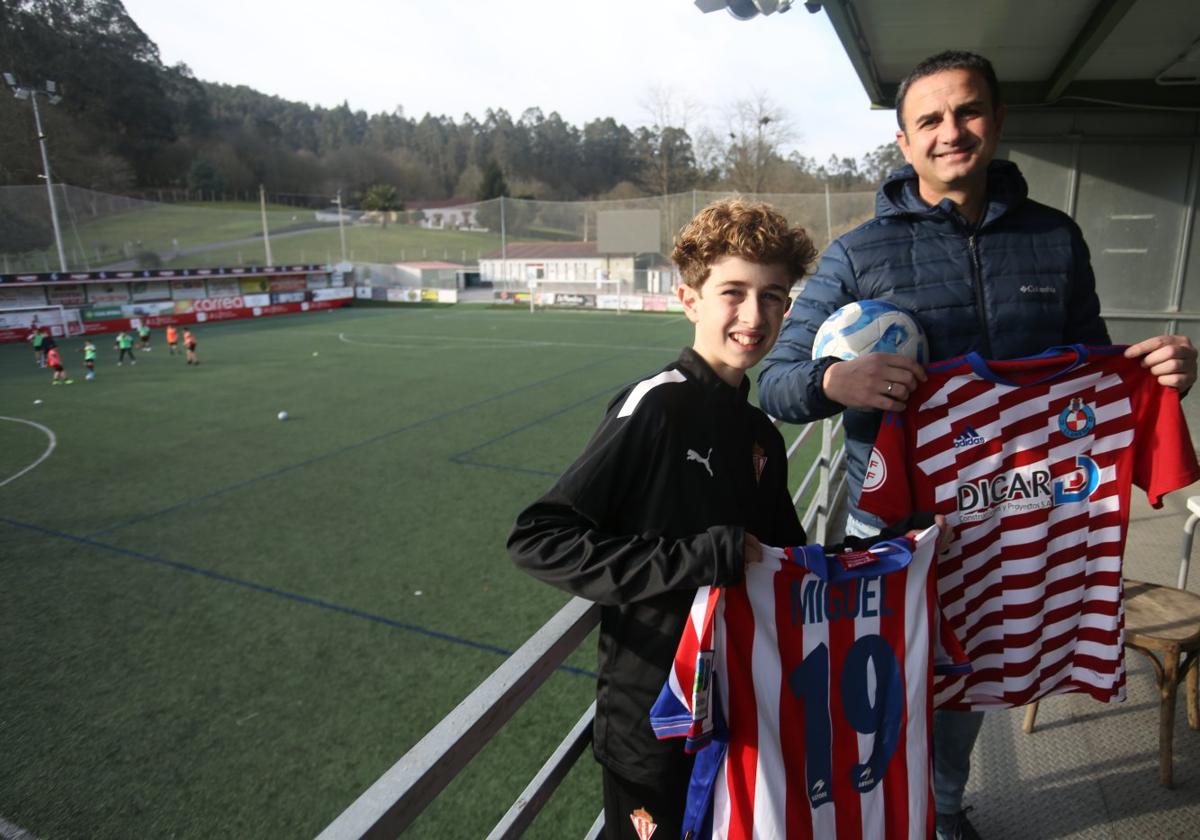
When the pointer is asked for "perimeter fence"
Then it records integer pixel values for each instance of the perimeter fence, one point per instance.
(100, 231)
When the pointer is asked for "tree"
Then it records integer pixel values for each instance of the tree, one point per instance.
(384, 200)
(758, 130)
(881, 162)
(493, 184)
(204, 177)
(669, 163)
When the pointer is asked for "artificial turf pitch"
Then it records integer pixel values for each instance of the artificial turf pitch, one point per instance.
(215, 623)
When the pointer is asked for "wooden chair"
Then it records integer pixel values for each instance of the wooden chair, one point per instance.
(1164, 621)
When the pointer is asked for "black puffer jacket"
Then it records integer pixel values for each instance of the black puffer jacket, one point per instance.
(1018, 282)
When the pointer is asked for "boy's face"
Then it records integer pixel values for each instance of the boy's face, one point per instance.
(737, 313)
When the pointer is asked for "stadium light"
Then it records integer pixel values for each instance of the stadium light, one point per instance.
(50, 92)
(744, 9)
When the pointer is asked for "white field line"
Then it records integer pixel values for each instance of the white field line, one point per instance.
(44, 455)
(8, 831)
(669, 317)
(446, 342)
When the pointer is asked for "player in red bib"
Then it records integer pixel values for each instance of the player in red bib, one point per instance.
(54, 362)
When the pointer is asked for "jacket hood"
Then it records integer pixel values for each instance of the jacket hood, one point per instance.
(898, 195)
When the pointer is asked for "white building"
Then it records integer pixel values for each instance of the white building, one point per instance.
(555, 263)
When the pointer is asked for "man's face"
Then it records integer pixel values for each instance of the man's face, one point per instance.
(737, 312)
(951, 127)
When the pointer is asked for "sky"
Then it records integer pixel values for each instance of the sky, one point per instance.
(585, 59)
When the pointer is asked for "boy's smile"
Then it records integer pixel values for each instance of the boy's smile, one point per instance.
(737, 312)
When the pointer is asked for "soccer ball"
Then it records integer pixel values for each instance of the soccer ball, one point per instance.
(283, 415)
(870, 326)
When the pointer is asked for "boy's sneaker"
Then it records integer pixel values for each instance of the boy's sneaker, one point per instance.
(118, 364)
(956, 827)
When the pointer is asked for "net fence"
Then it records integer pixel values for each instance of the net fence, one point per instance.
(101, 231)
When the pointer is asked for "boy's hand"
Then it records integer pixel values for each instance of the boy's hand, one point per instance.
(752, 550)
(874, 381)
(945, 533)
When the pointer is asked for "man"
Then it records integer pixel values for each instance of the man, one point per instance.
(955, 240)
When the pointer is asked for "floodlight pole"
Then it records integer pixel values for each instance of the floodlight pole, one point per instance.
(341, 225)
(262, 206)
(22, 92)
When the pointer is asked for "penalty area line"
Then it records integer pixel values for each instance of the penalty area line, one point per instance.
(50, 448)
(266, 589)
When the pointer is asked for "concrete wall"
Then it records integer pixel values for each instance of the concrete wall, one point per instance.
(1130, 180)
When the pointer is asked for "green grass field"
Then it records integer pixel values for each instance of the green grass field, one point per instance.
(215, 623)
(230, 233)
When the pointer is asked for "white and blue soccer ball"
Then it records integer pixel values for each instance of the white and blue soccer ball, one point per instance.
(870, 326)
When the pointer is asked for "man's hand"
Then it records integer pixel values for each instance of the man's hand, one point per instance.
(877, 380)
(1171, 358)
(751, 550)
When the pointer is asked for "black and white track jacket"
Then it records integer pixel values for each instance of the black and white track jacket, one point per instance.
(656, 506)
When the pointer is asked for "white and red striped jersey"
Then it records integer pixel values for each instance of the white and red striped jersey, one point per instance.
(806, 691)
(1031, 460)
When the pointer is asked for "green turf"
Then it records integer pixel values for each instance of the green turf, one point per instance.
(230, 234)
(174, 662)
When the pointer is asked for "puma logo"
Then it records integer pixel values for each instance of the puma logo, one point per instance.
(693, 455)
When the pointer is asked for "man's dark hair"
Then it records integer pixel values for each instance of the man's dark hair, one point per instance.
(948, 60)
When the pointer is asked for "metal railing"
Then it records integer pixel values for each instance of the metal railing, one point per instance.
(401, 794)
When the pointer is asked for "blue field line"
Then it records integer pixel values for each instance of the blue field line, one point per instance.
(461, 457)
(279, 593)
(342, 449)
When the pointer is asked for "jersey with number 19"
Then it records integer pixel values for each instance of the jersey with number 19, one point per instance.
(806, 691)
(1031, 461)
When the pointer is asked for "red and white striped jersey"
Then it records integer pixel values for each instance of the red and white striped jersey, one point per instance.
(1031, 461)
(806, 691)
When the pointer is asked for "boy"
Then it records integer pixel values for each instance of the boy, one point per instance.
(173, 339)
(189, 344)
(144, 337)
(89, 358)
(124, 343)
(39, 353)
(674, 491)
(54, 362)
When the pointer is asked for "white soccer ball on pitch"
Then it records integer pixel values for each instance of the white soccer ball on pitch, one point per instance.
(283, 415)
(870, 326)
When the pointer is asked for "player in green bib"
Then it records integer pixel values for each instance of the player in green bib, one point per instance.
(124, 343)
(39, 353)
(89, 358)
(144, 336)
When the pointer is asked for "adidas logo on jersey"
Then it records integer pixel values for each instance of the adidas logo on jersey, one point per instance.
(969, 437)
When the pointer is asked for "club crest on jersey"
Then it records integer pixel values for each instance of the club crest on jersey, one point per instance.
(643, 823)
(759, 457)
(1077, 419)
(969, 437)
